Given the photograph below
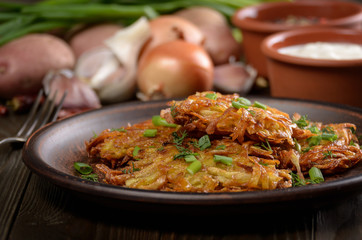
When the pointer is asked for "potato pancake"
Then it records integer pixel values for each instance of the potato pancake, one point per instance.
(211, 142)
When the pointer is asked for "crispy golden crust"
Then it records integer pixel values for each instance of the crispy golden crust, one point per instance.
(265, 145)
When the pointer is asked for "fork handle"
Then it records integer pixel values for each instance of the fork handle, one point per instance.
(12, 139)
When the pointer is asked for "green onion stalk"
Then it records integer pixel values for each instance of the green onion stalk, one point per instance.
(18, 19)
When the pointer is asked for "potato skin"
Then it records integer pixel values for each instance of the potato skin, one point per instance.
(25, 61)
(92, 37)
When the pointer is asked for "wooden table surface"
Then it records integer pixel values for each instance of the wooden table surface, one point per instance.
(33, 208)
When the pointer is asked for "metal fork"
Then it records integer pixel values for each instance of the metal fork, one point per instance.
(38, 117)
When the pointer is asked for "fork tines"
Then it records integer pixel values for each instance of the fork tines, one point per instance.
(41, 113)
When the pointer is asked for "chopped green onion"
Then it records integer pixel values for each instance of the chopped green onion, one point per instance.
(159, 121)
(223, 159)
(314, 129)
(212, 96)
(241, 103)
(329, 136)
(190, 158)
(194, 167)
(259, 105)
(316, 175)
(238, 105)
(314, 140)
(83, 168)
(204, 142)
(244, 101)
(135, 151)
(150, 133)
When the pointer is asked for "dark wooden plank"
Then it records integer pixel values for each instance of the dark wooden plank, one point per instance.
(13, 175)
(341, 221)
(49, 212)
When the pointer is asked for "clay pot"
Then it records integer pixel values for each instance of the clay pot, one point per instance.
(259, 21)
(337, 81)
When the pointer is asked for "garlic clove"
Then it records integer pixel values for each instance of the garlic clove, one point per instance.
(79, 94)
(126, 45)
(96, 67)
(234, 78)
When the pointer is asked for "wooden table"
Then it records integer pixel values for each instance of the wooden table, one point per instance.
(33, 208)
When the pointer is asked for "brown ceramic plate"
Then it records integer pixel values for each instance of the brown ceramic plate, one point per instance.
(52, 150)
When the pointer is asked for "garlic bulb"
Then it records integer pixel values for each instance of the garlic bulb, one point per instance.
(111, 70)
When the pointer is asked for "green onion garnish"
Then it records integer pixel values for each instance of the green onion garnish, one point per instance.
(314, 129)
(190, 158)
(314, 140)
(316, 175)
(135, 151)
(83, 168)
(204, 142)
(212, 96)
(329, 136)
(223, 159)
(259, 105)
(150, 133)
(159, 121)
(244, 101)
(194, 167)
(239, 105)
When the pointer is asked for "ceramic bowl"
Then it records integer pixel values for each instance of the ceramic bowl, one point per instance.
(259, 21)
(337, 81)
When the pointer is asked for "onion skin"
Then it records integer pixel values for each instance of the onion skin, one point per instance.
(168, 28)
(26, 60)
(175, 69)
(92, 37)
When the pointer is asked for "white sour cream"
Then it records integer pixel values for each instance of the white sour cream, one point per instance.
(325, 50)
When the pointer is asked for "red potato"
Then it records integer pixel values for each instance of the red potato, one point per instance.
(25, 61)
(92, 37)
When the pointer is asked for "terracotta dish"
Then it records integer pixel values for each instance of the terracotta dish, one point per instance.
(337, 81)
(259, 21)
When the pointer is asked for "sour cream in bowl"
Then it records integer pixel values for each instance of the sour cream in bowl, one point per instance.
(324, 50)
(323, 64)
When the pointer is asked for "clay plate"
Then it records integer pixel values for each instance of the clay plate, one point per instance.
(52, 150)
